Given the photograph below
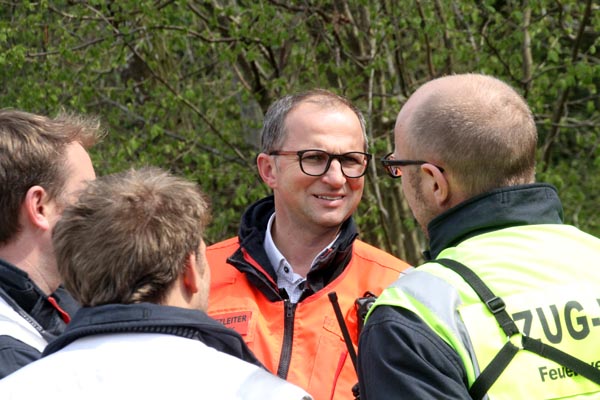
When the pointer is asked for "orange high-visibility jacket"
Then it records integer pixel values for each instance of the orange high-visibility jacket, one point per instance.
(300, 342)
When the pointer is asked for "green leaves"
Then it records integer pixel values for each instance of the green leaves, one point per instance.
(184, 84)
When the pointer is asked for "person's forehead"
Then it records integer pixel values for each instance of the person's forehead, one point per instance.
(316, 114)
(324, 128)
(319, 105)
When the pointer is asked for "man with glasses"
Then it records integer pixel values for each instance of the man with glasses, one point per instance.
(271, 283)
(508, 305)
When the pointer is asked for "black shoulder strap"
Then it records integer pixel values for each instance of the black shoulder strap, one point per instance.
(499, 363)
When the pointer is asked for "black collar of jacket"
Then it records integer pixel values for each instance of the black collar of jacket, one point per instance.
(501, 208)
(19, 287)
(33, 301)
(252, 234)
(153, 318)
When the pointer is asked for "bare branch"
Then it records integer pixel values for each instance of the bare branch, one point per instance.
(559, 109)
(430, 66)
(526, 49)
(447, 42)
(171, 89)
(75, 48)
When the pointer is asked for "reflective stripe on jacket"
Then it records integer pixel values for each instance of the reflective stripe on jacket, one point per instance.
(318, 357)
(14, 325)
(543, 274)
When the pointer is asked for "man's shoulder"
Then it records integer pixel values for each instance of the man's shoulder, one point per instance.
(372, 255)
(14, 354)
(222, 273)
(224, 244)
(219, 252)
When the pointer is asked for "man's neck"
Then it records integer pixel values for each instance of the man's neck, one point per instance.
(300, 247)
(30, 260)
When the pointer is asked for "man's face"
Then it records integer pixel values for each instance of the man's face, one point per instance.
(412, 185)
(79, 171)
(317, 203)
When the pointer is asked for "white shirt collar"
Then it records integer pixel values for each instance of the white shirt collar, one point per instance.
(286, 277)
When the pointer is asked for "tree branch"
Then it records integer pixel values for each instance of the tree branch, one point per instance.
(526, 49)
(559, 108)
(430, 66)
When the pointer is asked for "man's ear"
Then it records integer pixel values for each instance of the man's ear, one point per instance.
(36, 207)
(190, 280)
(440, 187)
(266, 169)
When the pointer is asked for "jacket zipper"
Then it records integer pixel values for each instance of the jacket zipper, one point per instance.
(289, 310)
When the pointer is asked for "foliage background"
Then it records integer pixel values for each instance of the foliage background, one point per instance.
(183, 84)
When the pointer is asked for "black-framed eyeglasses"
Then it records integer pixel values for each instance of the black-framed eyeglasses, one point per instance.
(392, 167)
(315, 162)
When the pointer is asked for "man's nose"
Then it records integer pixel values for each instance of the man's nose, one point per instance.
(334, 175)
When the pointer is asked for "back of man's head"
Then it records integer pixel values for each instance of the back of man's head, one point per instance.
(127, 238)
(32, 152)
(478, 128)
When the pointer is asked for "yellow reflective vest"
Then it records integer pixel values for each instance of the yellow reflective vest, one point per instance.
(549, 278)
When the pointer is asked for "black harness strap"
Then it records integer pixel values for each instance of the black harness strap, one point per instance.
(492, 372)
(340, 318)
(496, 305)
(562, 358)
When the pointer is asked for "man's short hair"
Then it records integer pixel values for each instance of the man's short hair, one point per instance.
(274, 131)
(480, 128)
(127, 238)
(32, 152)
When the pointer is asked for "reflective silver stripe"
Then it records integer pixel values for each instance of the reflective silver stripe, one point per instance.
(442, 300)
(12, 324)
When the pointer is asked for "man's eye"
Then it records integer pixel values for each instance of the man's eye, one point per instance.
(315, 157)
(350, 160)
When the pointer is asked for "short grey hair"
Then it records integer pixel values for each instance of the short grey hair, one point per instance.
(273, 133)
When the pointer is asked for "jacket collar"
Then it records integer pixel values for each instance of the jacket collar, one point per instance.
(25, 295)
(153, 318)
(501, 208)
(19, 287)
(251, 236)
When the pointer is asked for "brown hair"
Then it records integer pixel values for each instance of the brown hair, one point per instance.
(127, 237)
(479, 128)
(32, 152)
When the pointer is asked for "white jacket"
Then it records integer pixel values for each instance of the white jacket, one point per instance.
(144, 366)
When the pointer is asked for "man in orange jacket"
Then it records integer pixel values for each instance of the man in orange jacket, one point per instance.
(271, 282)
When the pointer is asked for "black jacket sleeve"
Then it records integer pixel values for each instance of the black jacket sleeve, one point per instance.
(400, 357)
(15, 354)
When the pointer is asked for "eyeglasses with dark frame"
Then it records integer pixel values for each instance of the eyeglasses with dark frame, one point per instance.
(314, 162)
(391, 166)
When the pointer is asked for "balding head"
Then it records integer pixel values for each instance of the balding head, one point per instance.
(477, 127)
